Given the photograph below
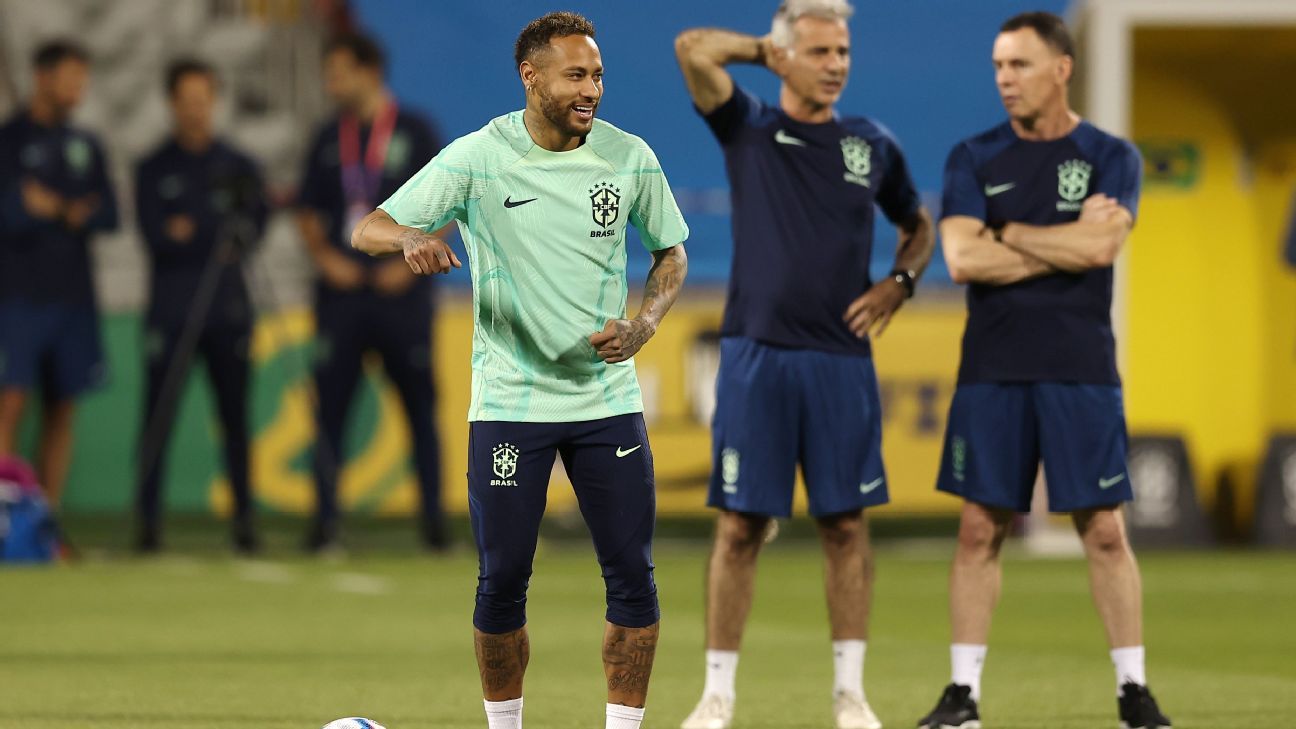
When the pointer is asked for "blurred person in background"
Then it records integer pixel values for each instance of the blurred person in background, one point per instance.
(1035, 212)
(796, 383)
(55, 194)
(201, 206)
(364, 304)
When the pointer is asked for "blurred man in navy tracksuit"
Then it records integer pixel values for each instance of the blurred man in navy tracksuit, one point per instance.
(54, 196)
(201, 206)
(356, 161)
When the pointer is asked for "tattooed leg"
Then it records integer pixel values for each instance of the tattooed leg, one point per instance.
(502, 660)
(628, 661)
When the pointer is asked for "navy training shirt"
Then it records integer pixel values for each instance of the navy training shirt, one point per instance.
(215, 189)
(803, 197)
(412, 144)
(44, 261)
(1055, 328)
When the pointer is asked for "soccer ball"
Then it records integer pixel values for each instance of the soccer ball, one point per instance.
(354, 722)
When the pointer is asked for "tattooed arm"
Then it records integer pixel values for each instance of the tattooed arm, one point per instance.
(622, 338)
(378, 235)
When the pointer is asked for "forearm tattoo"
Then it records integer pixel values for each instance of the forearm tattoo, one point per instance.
(662, 288)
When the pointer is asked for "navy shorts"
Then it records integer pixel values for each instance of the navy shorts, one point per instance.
(777, 407)
(610, 466)
(54, 345)
(999, 433)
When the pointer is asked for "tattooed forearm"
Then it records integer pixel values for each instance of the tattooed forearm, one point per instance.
(670, 266)
(502, 660)
(627, 661)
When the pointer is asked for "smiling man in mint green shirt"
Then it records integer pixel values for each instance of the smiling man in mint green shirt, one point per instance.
(542, 198)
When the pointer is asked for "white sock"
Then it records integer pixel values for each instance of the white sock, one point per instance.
(966, 660)
(504, 714)
(1129, 666)
(721, 667)
(623, 717)
(848, 666)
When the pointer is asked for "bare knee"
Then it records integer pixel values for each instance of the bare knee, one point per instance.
(844, 532)
(739, 536)
(982, 532)
(1103, 533)
(59, 415)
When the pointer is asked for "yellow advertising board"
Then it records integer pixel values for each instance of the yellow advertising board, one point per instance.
(917, 361)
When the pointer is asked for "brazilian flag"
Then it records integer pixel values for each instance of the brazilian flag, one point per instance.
(1171, 163)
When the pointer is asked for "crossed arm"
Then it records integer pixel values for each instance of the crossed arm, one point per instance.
(1020, 252)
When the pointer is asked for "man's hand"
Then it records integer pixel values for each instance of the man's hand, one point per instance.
(77, 212)
(1098, 208)
(621, 339)
(875, 308)
(180, 228)
(392, 278)
(40, 201)
(340, 272)
(426, 254)
(766, 58)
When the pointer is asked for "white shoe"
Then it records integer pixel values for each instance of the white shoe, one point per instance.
(712, 712)
(853, 712)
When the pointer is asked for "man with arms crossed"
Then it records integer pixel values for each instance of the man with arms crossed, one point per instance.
(796, 382)
(1035, 211)
(55, 196)
(542, 198)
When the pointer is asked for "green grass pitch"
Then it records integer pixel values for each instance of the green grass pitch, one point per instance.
(207, 642)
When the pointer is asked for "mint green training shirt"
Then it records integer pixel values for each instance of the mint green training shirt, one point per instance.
(545, 233)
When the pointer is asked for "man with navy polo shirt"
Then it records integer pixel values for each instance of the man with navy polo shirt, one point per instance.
(796, 382)
(356, 161)
(1035, 212)
(55, 195)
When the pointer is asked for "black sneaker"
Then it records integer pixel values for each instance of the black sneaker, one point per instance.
(246, 541)
(1138, 710)
(148, 541)
(955, 710)
(434, 536)
(322, 539)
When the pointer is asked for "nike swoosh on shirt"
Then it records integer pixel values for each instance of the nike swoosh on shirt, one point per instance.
(783, 137)
(508, 202)
(1106, 483)
(623, 454)
(992, 190)
(871, 485)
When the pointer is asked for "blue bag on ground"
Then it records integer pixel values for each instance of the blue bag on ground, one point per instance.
(27, 529)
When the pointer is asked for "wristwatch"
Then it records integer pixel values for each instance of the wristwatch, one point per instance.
(906, 278)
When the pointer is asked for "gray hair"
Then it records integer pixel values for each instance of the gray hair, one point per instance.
(792, 10)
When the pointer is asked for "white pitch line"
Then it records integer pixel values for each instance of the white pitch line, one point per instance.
(358, 583)
(265, 572)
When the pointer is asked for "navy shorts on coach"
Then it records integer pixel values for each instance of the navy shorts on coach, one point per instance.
(999, 432)
(610, 466)
(54, 345)
(777, 407)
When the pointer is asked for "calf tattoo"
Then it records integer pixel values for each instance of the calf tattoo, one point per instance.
(627, 661)
(502, 660)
